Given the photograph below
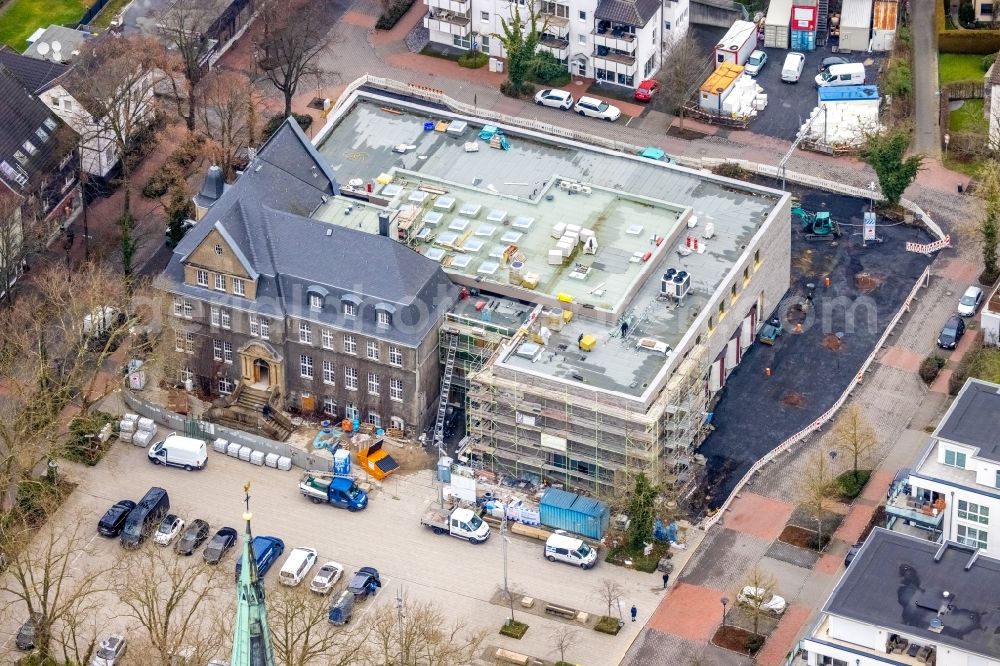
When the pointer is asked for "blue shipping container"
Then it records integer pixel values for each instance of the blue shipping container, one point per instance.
(571, 512)
(847, 93)
(803, 40)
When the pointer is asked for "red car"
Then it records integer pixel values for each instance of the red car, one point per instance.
(646, 90)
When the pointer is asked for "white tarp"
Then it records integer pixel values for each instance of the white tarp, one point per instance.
(842, 124)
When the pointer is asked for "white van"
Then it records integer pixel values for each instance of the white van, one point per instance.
(791, 71)
(848, 74)
(298, 564)
(571, 550)
(178, 451)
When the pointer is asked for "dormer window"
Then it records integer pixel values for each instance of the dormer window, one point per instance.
(42, 134)
(384, 319)
(20, 157)
(202, 278)
(315, 302)
(51, 124)
(350, 310)
(218, 250)
(30, 147)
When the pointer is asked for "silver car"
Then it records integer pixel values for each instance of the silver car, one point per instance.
(755, 63)
(110, 651)
(559, 99)
(970, 301)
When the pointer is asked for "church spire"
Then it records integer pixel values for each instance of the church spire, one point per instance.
(251, 634)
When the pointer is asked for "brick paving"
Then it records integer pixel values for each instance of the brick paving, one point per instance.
(689, 611)
(904, 359)
(758, 516)
(776, 648)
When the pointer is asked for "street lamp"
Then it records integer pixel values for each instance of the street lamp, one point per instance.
(947, 140)
(725, 602)
(871, 188)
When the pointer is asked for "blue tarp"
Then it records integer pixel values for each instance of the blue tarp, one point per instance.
(847, 93)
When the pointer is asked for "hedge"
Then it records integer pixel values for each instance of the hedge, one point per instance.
(982, 42)
(391, 17)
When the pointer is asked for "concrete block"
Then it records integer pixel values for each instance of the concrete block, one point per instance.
(511, 657)
(582, 617)
(527, 602)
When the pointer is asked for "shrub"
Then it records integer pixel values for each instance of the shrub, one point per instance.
(754, 642)
(903, 35)
(850, 486)
(966, 13)
(159, 182)
(930, 367)
(965, 367)
(730, 170)
(509, 89)
(82, 446)
(473, 60)
(549, 71)
(514, 629)
(303, 119)
(899, 79)
(988, 61)
(390, 17)
(189, 150)
(982, 42)
(608, 625)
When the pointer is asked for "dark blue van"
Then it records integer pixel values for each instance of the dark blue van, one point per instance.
(145, 517)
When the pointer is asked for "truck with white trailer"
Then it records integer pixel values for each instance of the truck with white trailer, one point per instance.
(460, 523)
(737, 44)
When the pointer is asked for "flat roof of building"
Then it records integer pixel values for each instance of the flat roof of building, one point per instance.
(974, 418)
(908, 585)
(631, 201)
(722, 77)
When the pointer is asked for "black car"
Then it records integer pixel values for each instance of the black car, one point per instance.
(113, 521)
(193, 536)
(26, 634)
(852, 553)
(366, 581)
(832, 60)
(220, 544)
(952, 332)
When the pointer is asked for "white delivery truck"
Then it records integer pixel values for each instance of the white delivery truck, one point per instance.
(460, 523)
(564, 548)
(847, 74)
(178, 451)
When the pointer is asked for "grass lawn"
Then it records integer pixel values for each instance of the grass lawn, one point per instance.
(969, 168)
(960, 67)
(23, 17)
(103, 20)
(968, 118)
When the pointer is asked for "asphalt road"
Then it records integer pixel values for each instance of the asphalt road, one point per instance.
(926, 138)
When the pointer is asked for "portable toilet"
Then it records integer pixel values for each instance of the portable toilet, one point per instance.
(342, 463)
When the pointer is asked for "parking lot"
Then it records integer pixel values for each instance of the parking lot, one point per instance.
(462, 579)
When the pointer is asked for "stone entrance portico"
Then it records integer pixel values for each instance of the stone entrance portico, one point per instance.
(261, 366)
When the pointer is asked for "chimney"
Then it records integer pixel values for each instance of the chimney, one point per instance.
(383, 224)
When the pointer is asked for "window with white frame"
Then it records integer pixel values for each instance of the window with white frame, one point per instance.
(254, 325)
(188, 309)
(329, 373)
(375, 419)
(350, 309)
(306, 366)
(396, 389)
(220, 282)
(970, 536)
(215, 316)
(384, 319)
(202, 278)
(326, 338)
(179, 339)
(217, 350)
(187, 375)
(227, 351)
(351, 379)
(976, 513)
(351, 412)
(395, 355)
(178, 306)
(305, 332)
(265, 327)
(227, 320)
(954, 458)
(372, 383)
(189, 343)
(397, 423)
(30, 147)
(239, 286)
(484, 17)
(581, 40)
(373, 350)
(329, 406)
(350, 344)
(583, 15)
(226, 386)
(315, 302)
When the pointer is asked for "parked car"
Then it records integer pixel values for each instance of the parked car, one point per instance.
(755, 63)
(830, 61)
(220, 544)
(646, 90)
(266, 550)
(952, 332)
(970, 301)
(365, 582)
(752, 596)
(852, 553)
(145, 517)
(595, 108)
(791, 71)
(297, 566)
(193, 536)
(110, 651)
(340, 610)
(559, 99)
(26, 634)
(113, 520)
(326, 577)
(170, 527)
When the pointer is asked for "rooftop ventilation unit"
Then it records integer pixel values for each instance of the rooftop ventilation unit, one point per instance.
(675, 284)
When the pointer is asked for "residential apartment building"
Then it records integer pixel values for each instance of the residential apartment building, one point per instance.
(270, 306)
(909, 602)
(953, 492)
(617, 41)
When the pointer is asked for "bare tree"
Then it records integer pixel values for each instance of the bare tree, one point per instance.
(78, 631)
(609, 592)
(855, 436)
(167, 596)
(182, 25)
(816, 490)
(292, 43)
(563, 638)
(756, 604)
(416, 634)
(227, 116)
(301, 634)
(683, 67)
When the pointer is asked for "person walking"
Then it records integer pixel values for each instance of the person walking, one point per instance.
(635, 611)
(666, 579)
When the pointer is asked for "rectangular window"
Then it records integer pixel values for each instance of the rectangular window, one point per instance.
(217, 350)
(51, 124)
(215, 316)
(202, 277)
(20, 157)
(375, 419)
(373, 383)
(179, 341)
(30, 147)
(187, 375)
(555, 9)
(350, 345)
(756, 260)
(746, 276)
(329, 406)
(732, 293)
(220, 282)
(265, 327)
(227, 320)
(351, 379)
(384, 318)
(178, 306)
(396, 389)
(306, 366)
(954, 459)
(583, 16)
(305, 333)
(581, 39)
(997, 482)
(350, 310)
(315, 302)
(976, 513)
(226, 386)
(970, 536)
(351, 412)
(42, 134)
(484, 17)
(373, 350)
(484, 40)
(189, 344)
(239, 287)
(395, 355)
(986, 9)
(254, 325)
(326, 337)
(227, 351)
(328, 373)
(188, 309)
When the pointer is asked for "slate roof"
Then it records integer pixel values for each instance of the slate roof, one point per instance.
(974, 419)
(897, 582)
(22, 115)
(630, 12)
(264, 216)
(36, 75)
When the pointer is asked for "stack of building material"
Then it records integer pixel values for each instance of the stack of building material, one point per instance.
(745, 99)
(844, 116)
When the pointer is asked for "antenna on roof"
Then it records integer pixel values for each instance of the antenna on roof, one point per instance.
(42, 48)
(56, 47)
(57, 56)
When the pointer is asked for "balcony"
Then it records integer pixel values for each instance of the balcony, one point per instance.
(620, 63)
(925, 513)
(615, 41)
(553, 23)
(556, 45)
(448, 22)
(454, 6)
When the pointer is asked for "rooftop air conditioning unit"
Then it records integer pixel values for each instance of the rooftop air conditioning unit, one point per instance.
(681, 284)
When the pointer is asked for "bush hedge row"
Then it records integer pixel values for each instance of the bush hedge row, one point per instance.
(392, 15)
(982, 42)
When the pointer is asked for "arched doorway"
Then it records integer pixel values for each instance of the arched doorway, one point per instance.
(261, 366)
(261, 373)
